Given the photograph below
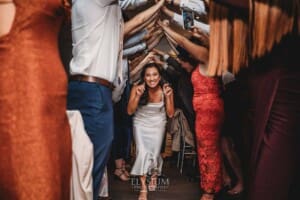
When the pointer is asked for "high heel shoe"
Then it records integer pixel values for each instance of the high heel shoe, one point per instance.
(120, 175)
(124, 169)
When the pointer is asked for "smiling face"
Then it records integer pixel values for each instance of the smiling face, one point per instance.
(152, 77)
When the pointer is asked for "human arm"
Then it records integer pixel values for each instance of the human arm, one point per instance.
(134, 61)
(201, 35)
(7, 15)
(135, 96)
(169, 100)
(153, 41)
(172, 66)
(198, 52)
(134, 49)
(134, 70)
(135, 39)
(131, 4)
(142, 17)
(149, 23)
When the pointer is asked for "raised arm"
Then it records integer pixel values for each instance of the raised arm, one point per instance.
(150, 22)
(142, 17)
(198, 52)
(140, 65)
(154, 41)
(169, 100)
(135, 96)
(131, 4)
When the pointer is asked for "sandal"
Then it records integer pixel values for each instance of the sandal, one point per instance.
(143, 195)
(120, 176)
(153, 183)
(124, 169)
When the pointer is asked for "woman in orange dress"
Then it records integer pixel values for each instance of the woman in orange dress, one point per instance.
(35, 143)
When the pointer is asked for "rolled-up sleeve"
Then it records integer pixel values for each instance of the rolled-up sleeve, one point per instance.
(135, 39)
(133, 50)
(131, 4)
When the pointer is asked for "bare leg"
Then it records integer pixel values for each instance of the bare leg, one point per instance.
(226, 177)
(233, 159)
(143, 191)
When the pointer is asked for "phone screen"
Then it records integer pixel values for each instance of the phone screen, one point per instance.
(188, 19)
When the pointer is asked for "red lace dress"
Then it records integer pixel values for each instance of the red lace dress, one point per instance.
(209, 110)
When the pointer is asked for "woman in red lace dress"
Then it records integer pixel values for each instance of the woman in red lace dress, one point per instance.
(209, 111)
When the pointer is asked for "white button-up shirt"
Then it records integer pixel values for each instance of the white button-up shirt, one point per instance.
(97, 34)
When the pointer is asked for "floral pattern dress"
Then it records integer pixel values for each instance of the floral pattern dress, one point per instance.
(209, 109)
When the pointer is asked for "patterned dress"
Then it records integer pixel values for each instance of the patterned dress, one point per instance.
(209, 110)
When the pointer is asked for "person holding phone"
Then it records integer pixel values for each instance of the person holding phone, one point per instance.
(151, 102)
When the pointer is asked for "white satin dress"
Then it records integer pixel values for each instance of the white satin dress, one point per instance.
(149, 125)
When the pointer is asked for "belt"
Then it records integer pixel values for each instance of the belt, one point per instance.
(92, 79)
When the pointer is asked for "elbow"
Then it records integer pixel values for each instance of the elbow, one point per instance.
(170, 113)
(129, 111)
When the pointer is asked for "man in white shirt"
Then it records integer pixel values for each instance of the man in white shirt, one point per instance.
(97, 43)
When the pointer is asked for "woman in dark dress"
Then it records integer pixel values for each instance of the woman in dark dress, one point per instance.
(272, 81)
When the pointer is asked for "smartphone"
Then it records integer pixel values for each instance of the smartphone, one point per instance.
(188, 19)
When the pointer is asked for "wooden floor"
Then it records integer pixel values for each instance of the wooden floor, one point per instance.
(172, 186)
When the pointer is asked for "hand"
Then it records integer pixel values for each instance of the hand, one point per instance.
(201, 35)
(150, 56)
(159, 52)
(163, 23)
(158, 61)
(140, 89)
(167, 90)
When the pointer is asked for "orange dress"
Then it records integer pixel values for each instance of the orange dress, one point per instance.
(209, 110)
(35, 143)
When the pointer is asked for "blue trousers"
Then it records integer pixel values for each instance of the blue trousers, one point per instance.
(94, 101)
(123, 127)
